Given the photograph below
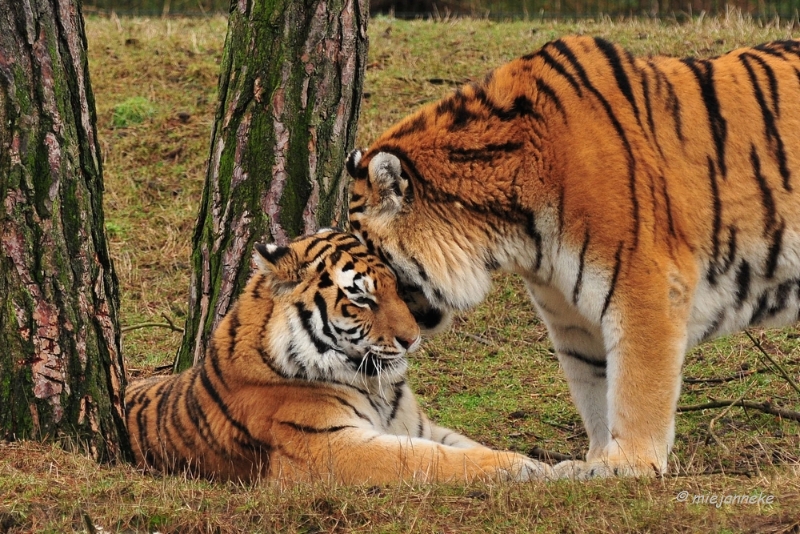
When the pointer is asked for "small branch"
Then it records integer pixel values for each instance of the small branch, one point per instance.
(722, 414)
(171, 322)
(170, 325)
(764, 407)
(722, 380)
(778, 366)
(542, 454)
(479, 339)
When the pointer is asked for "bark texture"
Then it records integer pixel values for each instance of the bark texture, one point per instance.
(290, 90)
(61, 371)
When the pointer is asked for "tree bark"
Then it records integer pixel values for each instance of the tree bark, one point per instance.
(289, 96)
(61, 371)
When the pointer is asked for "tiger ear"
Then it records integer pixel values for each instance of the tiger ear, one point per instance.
(353, 159)
(277, 262)
(387, 177)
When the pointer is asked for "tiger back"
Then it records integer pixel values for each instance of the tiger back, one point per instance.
(648, 203)
(305, 380)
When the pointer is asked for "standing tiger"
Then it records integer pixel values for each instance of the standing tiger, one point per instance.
(649, 204)
(305, 380)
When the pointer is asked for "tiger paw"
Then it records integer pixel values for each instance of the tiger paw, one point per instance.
(527, 470)
(580, 470)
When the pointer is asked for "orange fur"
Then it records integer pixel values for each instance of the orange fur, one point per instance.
(305, 381)
(649, 204)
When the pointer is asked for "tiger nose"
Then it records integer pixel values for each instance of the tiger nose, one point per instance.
(405, 342)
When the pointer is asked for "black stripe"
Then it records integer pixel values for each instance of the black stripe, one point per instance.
(668, 202)
(199, 417)
(770, 128)
(141, 421)
(533, 232)
(782, 295)
(767, 199)
(164, 416)
(420, 422)
(717, 222)
(313, 242)
(649, 110)
(675, 107)
(712, 329)
(443, 439)
(774, 250)
(558, 67)
(486, 153)
(272, 257)
(760, 311)
(314, 430)
(456, 106)
(260, 287)
(671, 102)
(588, 360)
(223, 408)
(305, 319)
(617, 267)
(576, 290)
(561, 198)
(717, 124)
(562, 47)
(731, 248)
(410, 127)
(522, 107)
(624, 84)
(543, 88)
(356, 412)
(773, 81)
(398, 396)
(742, 284)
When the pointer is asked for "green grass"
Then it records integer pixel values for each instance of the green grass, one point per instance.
(134, 110)
(492, 376)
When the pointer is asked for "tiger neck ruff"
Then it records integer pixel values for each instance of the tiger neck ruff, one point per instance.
(648, 203)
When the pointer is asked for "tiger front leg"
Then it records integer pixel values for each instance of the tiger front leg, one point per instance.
(645, 336)
(451, 438)
(358, 456)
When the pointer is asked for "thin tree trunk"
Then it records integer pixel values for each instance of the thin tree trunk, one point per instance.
(61, 371)
(290, 91)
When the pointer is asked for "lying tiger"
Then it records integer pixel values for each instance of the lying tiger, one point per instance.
(305, 380)
(649, 204)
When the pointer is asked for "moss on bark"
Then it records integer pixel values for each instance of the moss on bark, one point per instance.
(61, 366)
(289, 97)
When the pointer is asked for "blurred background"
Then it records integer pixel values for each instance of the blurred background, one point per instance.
(503, 9)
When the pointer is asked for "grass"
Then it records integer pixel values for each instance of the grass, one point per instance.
(492, 376)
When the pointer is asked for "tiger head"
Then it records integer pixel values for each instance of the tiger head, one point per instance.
(336, 314)
(441, 247)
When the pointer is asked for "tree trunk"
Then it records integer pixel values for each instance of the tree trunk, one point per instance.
(290, 92)
(61, 371)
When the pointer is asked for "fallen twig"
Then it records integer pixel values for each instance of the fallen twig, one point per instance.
(765, 407)
(721, 380)
(479, 339)
(169, 324)
(542, 454)
(778, 366)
